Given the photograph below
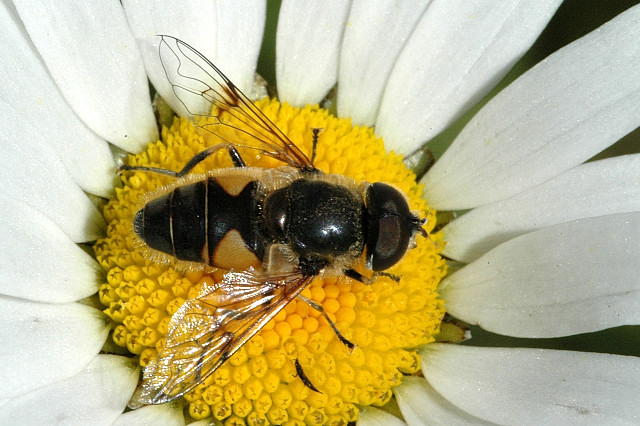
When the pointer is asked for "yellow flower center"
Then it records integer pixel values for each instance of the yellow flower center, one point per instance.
(259, 384)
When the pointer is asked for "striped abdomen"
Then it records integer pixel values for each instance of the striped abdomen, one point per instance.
(211, 221)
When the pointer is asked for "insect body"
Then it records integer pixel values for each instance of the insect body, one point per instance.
(274, 229)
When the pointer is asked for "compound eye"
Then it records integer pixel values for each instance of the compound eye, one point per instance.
(389, 226)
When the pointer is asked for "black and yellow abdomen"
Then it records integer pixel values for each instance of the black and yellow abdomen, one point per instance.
(211, 221)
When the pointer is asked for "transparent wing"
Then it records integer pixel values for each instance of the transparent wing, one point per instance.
(207, 330)
(195, 80)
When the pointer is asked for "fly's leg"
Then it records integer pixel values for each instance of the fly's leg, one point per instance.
(318, 307)
(235, 156)
(315, 132)
(304, 377)
(343, 339)
(352, 273)
(396, 278)
(198, 158)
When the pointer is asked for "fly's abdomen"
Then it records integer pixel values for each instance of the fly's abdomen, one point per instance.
(176, 222)
(211, 221)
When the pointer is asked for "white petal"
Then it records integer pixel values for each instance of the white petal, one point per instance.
(44, 343)
(372, 42)
(226, 33)
(97, 396)
(563, 111)
(422, 405)
(536, 386)
(38, 261)
(372, 416)
(151, 415)
(592, 189)
(457, 53)
(193, 22)
(97, 67)
(31, 172)
(566, 279)
(307, 48)
(29, 94)
(240, 29)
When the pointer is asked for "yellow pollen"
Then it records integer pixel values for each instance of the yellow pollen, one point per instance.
(259, 384)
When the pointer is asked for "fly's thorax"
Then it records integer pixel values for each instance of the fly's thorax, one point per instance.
(318, 216)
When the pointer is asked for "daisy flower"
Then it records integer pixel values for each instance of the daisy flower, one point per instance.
(543, 244)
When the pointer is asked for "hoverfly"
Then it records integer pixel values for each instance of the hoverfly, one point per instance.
(273, 229)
